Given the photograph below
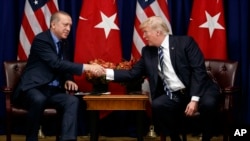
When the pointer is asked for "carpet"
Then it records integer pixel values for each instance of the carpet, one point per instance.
(103, 138)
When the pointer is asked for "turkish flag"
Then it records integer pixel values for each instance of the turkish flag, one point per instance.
(98, 37)
(207, 27)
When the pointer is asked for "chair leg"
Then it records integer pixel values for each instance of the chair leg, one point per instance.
(58, 128)
(8, 134)
(184, 137)
(57, 138)
(8, 127)
(162, 137)
(225, 135)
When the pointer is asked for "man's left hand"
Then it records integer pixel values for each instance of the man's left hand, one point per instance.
(70, 86)
(191, 108)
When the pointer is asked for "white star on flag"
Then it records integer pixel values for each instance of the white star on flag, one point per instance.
(211, 23)
(35, 2)
(98, 37)
(107, 23)
(207, 27)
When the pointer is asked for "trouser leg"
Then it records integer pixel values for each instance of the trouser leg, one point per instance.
(34, 101)
(67, 106)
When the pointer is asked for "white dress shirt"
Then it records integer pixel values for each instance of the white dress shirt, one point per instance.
(168, 75)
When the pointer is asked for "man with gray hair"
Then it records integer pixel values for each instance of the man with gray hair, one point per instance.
(48, 75)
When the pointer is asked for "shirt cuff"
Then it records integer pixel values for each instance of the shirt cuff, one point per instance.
(109, 74)
(195, 98)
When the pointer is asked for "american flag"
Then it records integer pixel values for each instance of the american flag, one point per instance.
(145, 9)
(36, 18)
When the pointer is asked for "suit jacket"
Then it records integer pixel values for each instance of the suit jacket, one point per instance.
(188, 63)
(44, 65)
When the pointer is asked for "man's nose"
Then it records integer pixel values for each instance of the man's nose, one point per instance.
(68, 28)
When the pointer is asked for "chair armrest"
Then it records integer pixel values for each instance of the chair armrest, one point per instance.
(230, 90)
(228, 96)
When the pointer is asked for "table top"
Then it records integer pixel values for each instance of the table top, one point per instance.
(116, 96)
(116, 102)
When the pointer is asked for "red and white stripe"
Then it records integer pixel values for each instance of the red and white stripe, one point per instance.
(34, 22)
(157, 8)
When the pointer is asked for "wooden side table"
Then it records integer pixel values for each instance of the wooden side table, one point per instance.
(96, 103)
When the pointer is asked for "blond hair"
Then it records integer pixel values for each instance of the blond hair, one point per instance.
(155, 23)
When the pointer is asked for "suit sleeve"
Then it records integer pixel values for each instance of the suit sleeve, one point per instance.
(44, 50)
(198, 70)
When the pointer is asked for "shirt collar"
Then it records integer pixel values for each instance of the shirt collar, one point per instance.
(55, 39)
(165, 42)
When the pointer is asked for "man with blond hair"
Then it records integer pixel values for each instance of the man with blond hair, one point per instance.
(179, 83)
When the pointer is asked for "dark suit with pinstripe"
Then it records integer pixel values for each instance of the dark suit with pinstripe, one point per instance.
(188, 63)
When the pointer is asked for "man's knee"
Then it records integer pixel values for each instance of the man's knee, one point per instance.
(156, 105)
(73, 100)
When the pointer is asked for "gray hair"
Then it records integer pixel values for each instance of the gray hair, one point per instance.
(56, 16)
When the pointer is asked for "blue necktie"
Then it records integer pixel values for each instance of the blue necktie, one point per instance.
(160, 55)
(59, 49)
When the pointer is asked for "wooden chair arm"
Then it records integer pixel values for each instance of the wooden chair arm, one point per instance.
(228, 93)
(230, 90)
(7, 91)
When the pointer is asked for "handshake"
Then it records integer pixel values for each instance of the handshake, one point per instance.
(95, 69)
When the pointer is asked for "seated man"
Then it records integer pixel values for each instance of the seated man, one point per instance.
(179, 83)
(47, 76)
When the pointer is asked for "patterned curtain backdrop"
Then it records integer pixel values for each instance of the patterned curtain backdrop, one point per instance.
(237, 21)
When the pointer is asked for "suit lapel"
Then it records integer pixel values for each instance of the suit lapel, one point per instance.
(154, 58)
(50, 39)
(172, 51)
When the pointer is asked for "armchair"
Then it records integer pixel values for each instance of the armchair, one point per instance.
(224, 72)
(13, 71)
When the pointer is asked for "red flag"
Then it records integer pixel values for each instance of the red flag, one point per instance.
(98, 35)
(145, 9)
(207, 27)
(36, 19)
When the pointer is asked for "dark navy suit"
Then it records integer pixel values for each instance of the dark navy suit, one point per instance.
(44, 66)
(188, 63)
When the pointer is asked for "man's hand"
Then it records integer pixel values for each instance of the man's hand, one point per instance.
(70, 86)
(191, 108)
(95, 69)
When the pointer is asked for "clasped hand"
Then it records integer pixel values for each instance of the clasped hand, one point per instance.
(95, 69)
